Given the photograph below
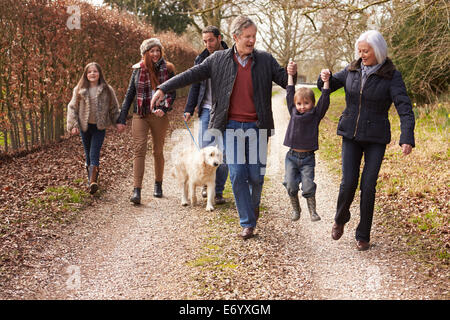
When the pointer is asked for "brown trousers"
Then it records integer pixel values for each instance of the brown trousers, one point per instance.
(139, 130)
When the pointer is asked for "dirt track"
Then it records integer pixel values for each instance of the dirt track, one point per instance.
(161, 250)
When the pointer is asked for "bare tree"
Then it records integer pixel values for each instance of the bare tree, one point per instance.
(291, 28)
(286, 32)
(419, 41)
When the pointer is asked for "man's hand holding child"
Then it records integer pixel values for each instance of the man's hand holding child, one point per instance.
(325, 76)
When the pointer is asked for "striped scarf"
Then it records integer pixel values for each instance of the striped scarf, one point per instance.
(144, 88)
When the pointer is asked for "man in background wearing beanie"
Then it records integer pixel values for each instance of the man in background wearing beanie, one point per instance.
(200, 95)
(241, 82)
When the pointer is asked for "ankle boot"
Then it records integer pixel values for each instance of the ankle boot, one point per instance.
(93, 177)
(296, 208)
(312, 208)
(158, 190)
(89, 176)
(136, 197)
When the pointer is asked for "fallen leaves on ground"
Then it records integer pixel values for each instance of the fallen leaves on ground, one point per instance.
(43, 191)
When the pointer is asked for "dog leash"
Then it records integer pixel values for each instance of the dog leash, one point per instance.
(191, 134)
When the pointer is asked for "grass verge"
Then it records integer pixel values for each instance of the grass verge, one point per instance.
(412, 202)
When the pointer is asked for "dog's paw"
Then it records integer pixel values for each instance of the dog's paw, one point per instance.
(209, 208)
(184, 204)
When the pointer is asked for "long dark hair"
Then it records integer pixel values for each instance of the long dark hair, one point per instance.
(84, 82)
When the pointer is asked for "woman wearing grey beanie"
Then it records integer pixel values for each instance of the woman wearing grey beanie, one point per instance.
(150, 72)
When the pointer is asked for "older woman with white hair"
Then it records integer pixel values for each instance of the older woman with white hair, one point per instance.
(371, 85)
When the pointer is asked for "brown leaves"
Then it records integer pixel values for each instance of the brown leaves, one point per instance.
(45, 60)
(43, 191)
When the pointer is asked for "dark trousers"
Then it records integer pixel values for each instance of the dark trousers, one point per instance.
(352, 152)
(92, 142)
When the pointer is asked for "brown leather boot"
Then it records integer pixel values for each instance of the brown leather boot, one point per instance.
(88, 175)
(362, 245)
(93, 183)
(337, 231)
(247, 233)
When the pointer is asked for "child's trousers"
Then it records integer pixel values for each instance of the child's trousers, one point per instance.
(92, 140)
(299, 168)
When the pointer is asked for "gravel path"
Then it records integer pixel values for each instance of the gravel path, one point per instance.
(161, 250)
(336, 268)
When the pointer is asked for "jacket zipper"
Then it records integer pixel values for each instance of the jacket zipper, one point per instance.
(359, 107)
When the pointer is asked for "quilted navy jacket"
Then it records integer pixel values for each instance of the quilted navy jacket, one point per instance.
(365, 117)
(222, 69)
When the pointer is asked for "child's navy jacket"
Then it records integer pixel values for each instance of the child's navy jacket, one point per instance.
(303, 129)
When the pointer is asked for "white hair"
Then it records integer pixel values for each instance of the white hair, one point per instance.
(376, 41)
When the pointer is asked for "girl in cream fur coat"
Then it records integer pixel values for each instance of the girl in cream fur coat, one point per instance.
(93, 108)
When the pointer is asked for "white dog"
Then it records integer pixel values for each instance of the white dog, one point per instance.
(196, 168)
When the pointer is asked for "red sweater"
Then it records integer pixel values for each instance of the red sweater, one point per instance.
(242, 107)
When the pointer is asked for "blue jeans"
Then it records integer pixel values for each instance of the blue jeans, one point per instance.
(92, 142)
(204, 141)
(352, 152)
(299, 168)
(246, 152)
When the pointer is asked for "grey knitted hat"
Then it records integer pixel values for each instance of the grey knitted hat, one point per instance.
(147, 44)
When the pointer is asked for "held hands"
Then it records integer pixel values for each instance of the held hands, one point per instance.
(156, 99)
(292, 68)
(75, 131)
(325, 76)
(158, 112)
(120, 128)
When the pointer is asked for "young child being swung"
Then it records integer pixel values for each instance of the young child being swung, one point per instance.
(302, 137)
